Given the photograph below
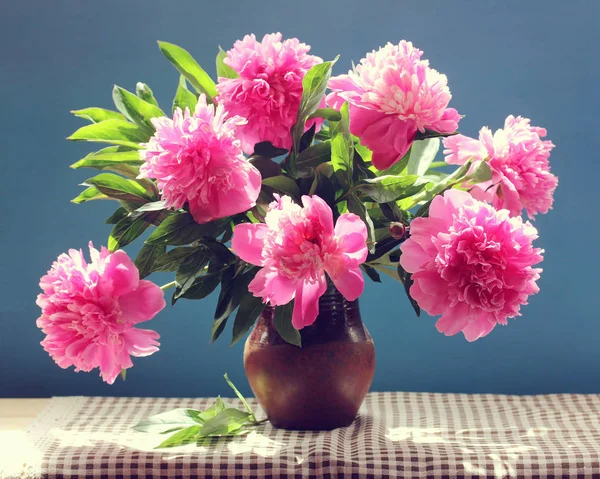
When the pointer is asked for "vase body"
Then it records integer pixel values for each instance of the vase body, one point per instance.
(321, 385)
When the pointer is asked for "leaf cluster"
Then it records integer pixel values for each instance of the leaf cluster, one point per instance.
(330, 163)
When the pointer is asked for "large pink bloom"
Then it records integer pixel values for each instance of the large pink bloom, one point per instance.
(392, 94)
(89, 312)
(519, 161)
(470, 263)
(197, 159)
(269, 87)
(296, 247)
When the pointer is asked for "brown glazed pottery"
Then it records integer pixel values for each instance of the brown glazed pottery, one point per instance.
(321, 385)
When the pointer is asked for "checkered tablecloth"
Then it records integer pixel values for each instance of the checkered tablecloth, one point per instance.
(395, 435)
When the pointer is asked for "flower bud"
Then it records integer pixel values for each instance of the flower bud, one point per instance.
(397, 231)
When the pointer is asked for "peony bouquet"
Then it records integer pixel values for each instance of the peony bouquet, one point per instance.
(280, 179)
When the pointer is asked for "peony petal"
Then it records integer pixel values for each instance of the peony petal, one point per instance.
(429, 291)
(248, 241)
(349, 282)
(141, 342)
(306, 304)
(478, 329)
(413, 257)
(319, 212)
(143, 303)
(349, 223)
(460, 148)
(120, 276)
(272, 287)
(109, 369)
(448, 123)
(453, 320)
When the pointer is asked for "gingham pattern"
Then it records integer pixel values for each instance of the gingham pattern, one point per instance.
(396, 435)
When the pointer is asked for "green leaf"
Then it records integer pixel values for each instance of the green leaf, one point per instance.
(327, 114)
(96, 115)
(128, 229)
(283, 184)
(152, 206)
(179, 229)
(144, 92)
(481, 172)
(307, 138)
(266, 148)
(266, 166)
(421, 155)
(240, 397)
(135, 109)
(392, 212)
(342, 148)
(432, 134)
(180, 417)
(250, 309)
(397, 169)
(191, 267)
(117, 132)
(181, 438)
(223, 70)
(105, 159)
(371, 273)
(189, 68)
(183, 97)
(407, 281)
(233, 287)
(427, 195)
(212, 411)
(322, 186)
(225, 423)
(382, 247)
(282, 320)
(89, 194)
(364, 152)
(120, 188)
(171, 261)
(314, 85)
(147, 256)
(357, 207)
(117, 216)
(312, 157)
(384, 189)
(201, 287)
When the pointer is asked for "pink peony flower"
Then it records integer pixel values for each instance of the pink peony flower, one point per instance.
(392, 94)
(296, 247)
(269, 87)
(470, 263)
(519, 162)
(197, 159)
(89, 312)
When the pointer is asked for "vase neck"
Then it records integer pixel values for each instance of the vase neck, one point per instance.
(338, 320)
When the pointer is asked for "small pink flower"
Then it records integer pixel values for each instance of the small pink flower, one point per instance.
(269, 87)
(296, 247)
(519, 161)
(89, 312)
(197, 159)
(471, 264)
(392, 94)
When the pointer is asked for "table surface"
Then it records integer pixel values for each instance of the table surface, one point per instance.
(414, 435)
(19, 414)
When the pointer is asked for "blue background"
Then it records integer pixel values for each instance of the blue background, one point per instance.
(535, 58)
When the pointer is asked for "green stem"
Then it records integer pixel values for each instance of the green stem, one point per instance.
(258, 423)
(172, 284)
